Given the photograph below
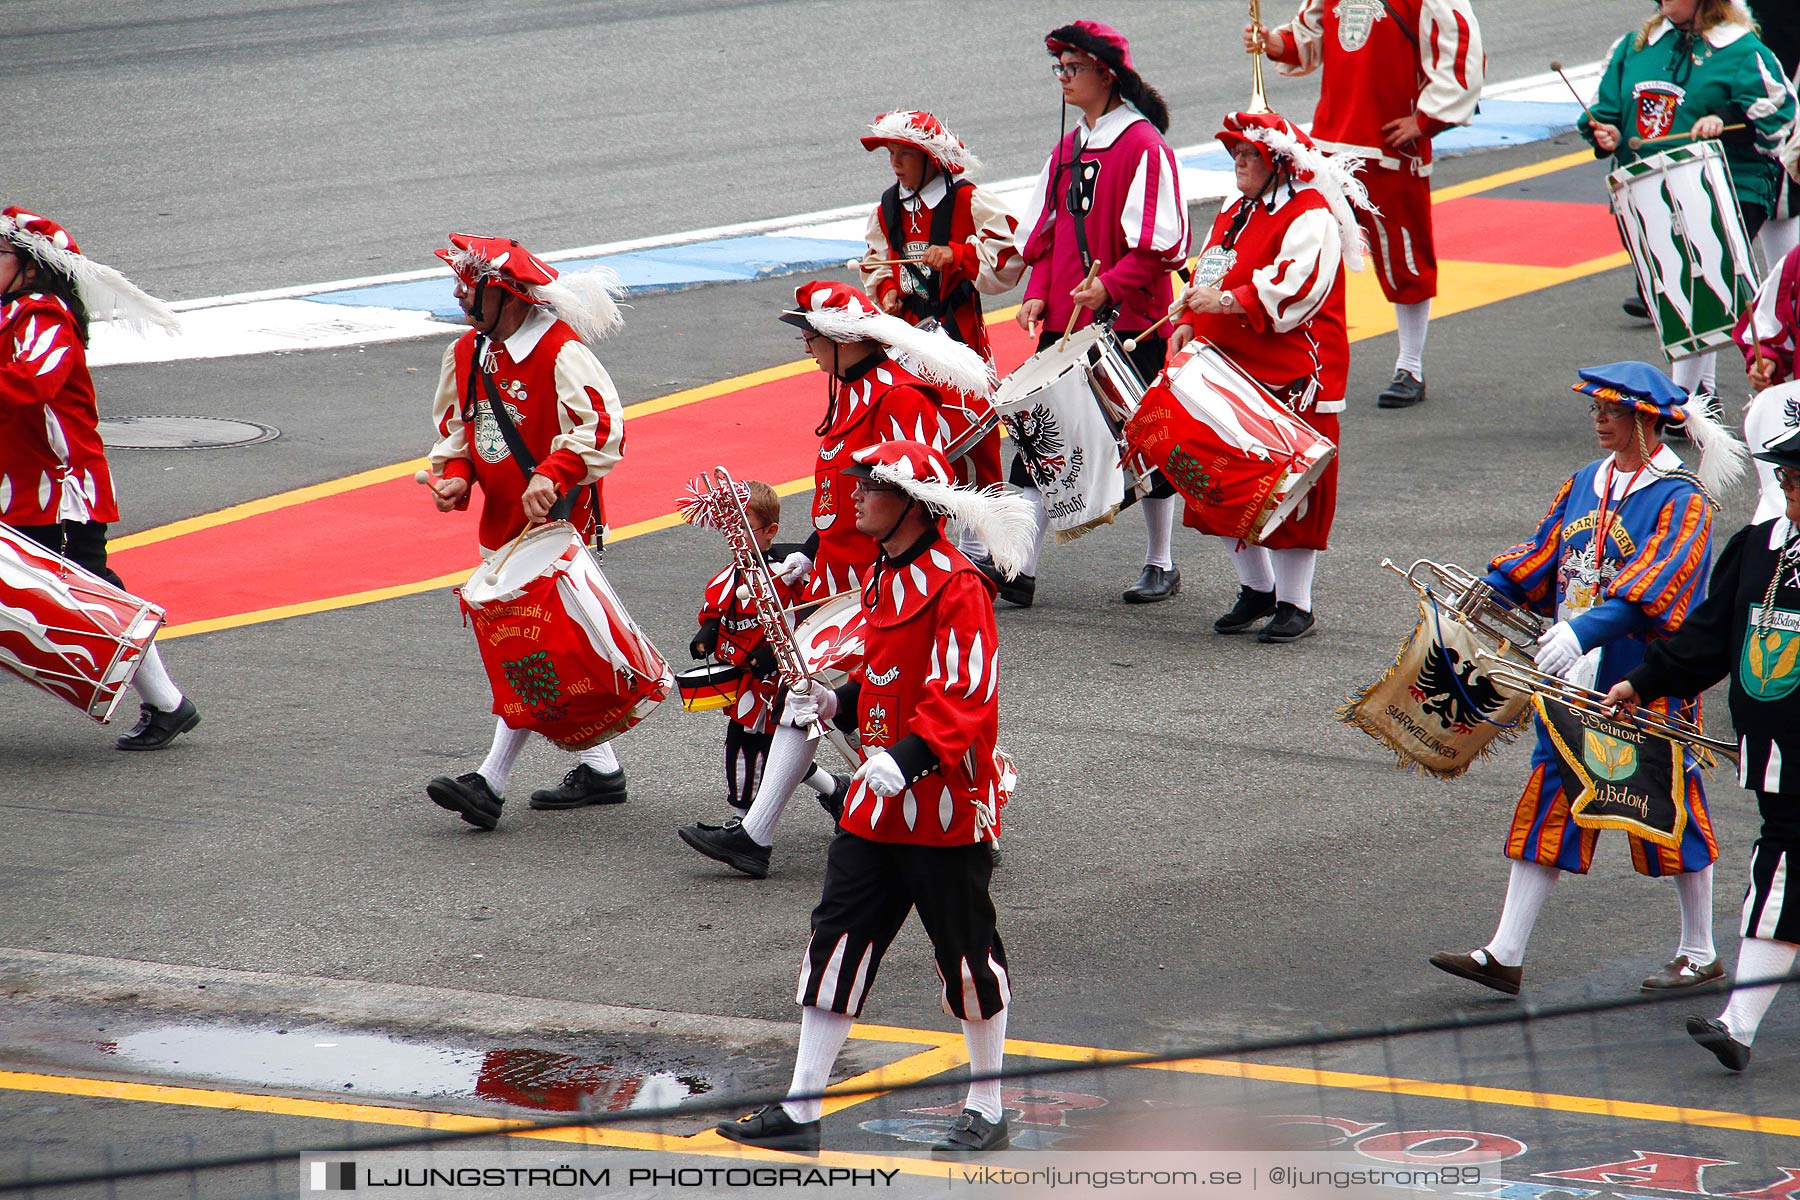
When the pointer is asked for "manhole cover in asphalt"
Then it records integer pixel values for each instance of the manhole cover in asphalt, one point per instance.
(182, 433)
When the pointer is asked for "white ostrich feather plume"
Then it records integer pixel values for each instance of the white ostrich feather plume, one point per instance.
(1005, 520)
(932, 355)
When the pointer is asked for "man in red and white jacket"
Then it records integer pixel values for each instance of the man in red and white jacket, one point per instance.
(522, 384)
(926, 799)
(55, 486)
(1396, 73)
(887, 381)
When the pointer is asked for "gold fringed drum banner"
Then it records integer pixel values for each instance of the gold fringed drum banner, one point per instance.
(1436, 708)
(1619, 776)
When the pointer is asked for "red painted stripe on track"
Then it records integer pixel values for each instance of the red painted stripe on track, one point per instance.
(388, 535)
(1528, 233)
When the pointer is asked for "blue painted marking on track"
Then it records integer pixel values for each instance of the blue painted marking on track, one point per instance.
(763, 256)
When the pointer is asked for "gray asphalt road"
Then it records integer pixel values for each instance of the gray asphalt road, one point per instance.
(206, 148)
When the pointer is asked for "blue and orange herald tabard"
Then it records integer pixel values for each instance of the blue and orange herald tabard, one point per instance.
(1657, 555)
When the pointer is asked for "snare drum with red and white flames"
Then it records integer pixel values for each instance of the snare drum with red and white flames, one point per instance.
(563, 656)
(1242, 461)
(68, 632)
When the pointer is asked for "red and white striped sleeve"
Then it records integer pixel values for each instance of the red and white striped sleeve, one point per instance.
(1292, 289)
(590, 416)
(1305, 40)
(996, 244)
(1451, 57)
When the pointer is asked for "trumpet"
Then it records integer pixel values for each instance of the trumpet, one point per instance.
(1520, 677)
(1259, 99)
(727, 511)
(1474, 603)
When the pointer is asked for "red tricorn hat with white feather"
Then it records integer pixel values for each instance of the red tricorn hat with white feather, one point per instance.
(1284, 145)
(1006, 521)
(844, 314)
(921, 131)
(108, 295)
(588, 301)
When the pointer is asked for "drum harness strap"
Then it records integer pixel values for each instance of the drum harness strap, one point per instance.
(515, 445)
(933, 303)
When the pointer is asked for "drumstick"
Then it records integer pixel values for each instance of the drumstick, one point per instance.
(1638, 142)
(1131, 343)
(424, 477)
(493, 575)
(1592, 119)
(1076, 314)
(854, 263)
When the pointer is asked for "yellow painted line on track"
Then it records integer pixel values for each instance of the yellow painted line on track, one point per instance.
(1500, 179)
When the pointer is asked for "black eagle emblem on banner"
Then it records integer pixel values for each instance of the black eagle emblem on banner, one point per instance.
(1449, 689)
(1034, 431)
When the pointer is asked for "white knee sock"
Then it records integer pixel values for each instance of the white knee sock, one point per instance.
(1413, 320)
(790, 761)
(1159, 526)
(820, 781)
(970, 543)
(1777, 238)
(498, 765)
(987, 1050)
(601, 758)
(1526, 890)
(1695, 890)
(153, 684)
(1043, 523)
(1697, 373)
(1758, 958)
(1255, 570)
(1294, 576)
(822, 1034)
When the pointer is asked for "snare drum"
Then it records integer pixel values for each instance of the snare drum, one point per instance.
(68, 632)
(563, 656)
(831, 640)
(1063, 408)
(1241, 460)
(710, 686)
(1686, 237)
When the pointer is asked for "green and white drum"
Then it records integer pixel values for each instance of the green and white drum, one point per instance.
(1687, 241)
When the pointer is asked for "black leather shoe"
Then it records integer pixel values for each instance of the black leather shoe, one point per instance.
(1732, 1054)
(834, 803)
(156, 728)
(1154, 585)
(1405, 391)
(1483, 970)
(1634, 306)
(771, 1128)
(583, 785)
(1019, 590)
(469, 797)
(1251, 607)
(974, 1133)
(1289, 624)
(730, 845)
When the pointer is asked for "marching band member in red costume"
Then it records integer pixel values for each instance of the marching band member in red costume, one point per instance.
(1268, 291)
(965, 237)
(926, 799)
(525, 410)
(1109, 197)
(1393, 75)
(55, 486)
(887, 382)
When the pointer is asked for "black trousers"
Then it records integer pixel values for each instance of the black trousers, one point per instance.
(746, 752)
(869, 888)
(82, 542)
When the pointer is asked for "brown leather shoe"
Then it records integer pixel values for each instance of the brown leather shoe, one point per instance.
(1483, 970)
(1682, 972)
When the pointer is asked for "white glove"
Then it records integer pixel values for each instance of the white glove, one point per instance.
(809, 705)
(1558, 650)
(795, 568)
(882, 774)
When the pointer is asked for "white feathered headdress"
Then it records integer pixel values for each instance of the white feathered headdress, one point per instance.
(588, 301)
(1332, 177)
(108, 295)
(925, 132)
(1006, 521)
(844, 314)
